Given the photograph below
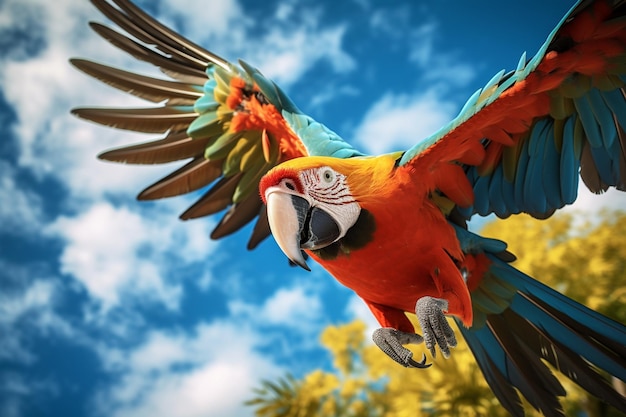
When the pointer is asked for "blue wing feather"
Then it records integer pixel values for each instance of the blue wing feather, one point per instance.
(603, 162)
(537, 324)
(520, 175)
(583, 107)
(533, 188)
(496, 195)
(508, 194)
(550, 174)
(497, 380)
(570, 162)
(604, 117)
(481, 188)
(317, 138)
(617, 104)
(548, 168)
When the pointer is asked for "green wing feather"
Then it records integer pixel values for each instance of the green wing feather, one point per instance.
(196, 119)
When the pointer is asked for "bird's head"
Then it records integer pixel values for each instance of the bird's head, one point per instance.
(310, 204)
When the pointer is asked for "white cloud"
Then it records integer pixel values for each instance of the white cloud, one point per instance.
(332, 92)
(422, 51)
(27, 312)
(115, 252)
(31, 304)
(209, 370)
(212, 388)
(285, 10)
(287, 55)
(203, 20)
(357, 309)
(39, 295)
(28, 306)
(399, 121)
(22, 209)
(293, 39)
(393, 22)
(291, 307)
(44, 87)
(435, 64)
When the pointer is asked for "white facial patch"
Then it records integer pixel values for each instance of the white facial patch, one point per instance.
(328, 190)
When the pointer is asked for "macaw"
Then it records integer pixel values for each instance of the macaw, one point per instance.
(393, 227)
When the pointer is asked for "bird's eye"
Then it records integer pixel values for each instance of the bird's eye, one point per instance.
(289, 184)
(328, 176)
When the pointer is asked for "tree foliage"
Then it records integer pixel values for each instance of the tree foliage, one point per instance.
(585, 261)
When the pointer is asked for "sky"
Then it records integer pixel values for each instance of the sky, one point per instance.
(113, 307)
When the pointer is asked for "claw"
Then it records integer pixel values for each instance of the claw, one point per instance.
(391, 340)
(436, 329)
(421, 364)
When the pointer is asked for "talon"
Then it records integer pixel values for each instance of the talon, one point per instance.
(435, 327)
(391, 340)
(421, 364)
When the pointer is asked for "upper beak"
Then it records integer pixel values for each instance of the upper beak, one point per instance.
(296, 226)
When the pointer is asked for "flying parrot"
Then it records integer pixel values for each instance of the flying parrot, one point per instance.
(393, 227)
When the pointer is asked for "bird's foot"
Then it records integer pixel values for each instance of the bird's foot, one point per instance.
(435, 327)
(390, 341)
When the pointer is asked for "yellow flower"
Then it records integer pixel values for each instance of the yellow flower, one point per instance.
(319, 384)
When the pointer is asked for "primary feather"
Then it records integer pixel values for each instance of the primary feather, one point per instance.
(231, 121)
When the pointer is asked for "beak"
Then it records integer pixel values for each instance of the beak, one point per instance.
(296, 226)
(287, 215)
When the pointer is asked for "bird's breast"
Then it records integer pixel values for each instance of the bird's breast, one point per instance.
(405, 259)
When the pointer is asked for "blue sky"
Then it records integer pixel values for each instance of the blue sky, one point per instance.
(111, 307)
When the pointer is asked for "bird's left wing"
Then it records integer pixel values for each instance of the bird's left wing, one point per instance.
(519, 143)
(229, 122)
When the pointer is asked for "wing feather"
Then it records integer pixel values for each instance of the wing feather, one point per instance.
(218, 198)
(558, 117)
(192, 176)
(147, 88)
(150, 119)
(148, 30)
(175, 146)
(230, 123)
(192, 74)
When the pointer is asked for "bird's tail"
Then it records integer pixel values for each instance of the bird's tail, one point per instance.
(525, 324)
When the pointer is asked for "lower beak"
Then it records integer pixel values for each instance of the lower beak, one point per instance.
(296, 226)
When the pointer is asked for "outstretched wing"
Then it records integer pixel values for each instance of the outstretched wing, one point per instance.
(230, 122)
(521, 142)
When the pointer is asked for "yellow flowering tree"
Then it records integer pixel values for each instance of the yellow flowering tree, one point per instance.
(347, 391)
(585, 261)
